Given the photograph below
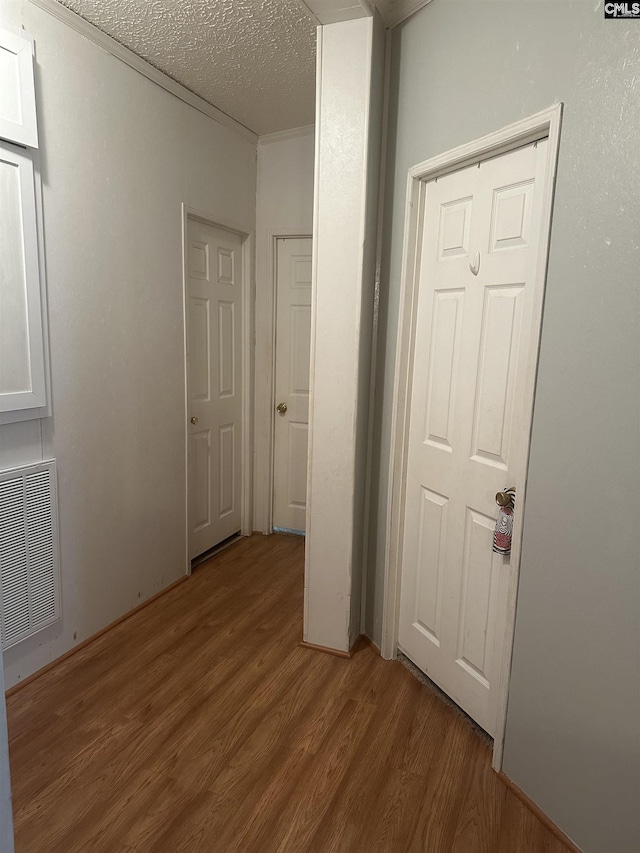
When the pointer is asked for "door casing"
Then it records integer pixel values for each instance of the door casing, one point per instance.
(545, 124)
(247, 367)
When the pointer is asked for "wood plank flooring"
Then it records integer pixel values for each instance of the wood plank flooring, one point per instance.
(199, 725)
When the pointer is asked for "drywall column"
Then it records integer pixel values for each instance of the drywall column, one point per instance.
(349, 94)
(6, 817)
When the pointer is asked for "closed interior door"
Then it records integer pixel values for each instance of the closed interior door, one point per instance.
(291, 407)
(468, 434)
(214, 378)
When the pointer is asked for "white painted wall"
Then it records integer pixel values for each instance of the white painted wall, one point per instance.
(119, 157)
(349, 87)
(284, 205)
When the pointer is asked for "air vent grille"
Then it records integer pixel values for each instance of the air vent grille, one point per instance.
(29, 563)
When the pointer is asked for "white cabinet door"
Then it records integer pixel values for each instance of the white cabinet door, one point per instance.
(22, 362)
(214, 392)
(468, 433)
(291, 433)
(17, 91)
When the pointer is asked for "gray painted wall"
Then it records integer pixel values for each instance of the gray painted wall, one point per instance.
(460, 70)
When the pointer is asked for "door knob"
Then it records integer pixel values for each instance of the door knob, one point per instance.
(281, 408)
(506, 498)
(194, 420)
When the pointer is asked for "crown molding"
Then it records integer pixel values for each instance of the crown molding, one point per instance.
(119, 51)
(394, 12)
(334, 11)
(282, 135)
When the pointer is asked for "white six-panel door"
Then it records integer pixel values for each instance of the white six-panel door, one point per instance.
(467, 432)
(291, 430)
(214, 384)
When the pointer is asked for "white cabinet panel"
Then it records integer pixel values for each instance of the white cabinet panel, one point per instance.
(17, 91)
(22, 364)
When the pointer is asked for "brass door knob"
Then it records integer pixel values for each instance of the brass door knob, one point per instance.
(194, 420)
(505, 498)
(281, 408)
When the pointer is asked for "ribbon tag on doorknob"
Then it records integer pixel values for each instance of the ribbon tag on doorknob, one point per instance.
(504, 523)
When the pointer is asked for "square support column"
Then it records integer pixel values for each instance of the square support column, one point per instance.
(349, 130)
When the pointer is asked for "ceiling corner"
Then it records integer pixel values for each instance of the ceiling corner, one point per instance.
(394, 12)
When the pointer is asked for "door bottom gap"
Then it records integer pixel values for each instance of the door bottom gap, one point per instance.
(217, 549)
(433, 687)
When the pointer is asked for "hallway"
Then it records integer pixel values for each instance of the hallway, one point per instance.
(200, 725)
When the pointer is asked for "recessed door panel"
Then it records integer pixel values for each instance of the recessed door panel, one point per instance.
(300, 320)
(202, 477)
(499, 349)
(226, 345)
(297, 473)
(455, 228)
(511, 216)
(479, 577)
(199, 260)
(301, 270)
(431, 556)
(200, 355)
(443, 361)
(227, 472)
(226, 265)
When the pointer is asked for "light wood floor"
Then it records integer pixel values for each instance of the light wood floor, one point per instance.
(199, 725)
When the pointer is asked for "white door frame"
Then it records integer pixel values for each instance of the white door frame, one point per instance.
(246, 525)
(545, 124)
(265, 379)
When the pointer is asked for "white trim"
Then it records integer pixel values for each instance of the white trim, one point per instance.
(542, 125)
(282, 135)
(312, 342)
(248, 350)
(119, 51)
(324, 12)
(246, 525)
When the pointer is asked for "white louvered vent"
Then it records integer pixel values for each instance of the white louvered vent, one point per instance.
(29, 557)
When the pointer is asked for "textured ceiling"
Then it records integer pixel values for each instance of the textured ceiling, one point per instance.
(253, 59)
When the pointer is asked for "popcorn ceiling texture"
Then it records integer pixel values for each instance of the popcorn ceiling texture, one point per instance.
(253, 59)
